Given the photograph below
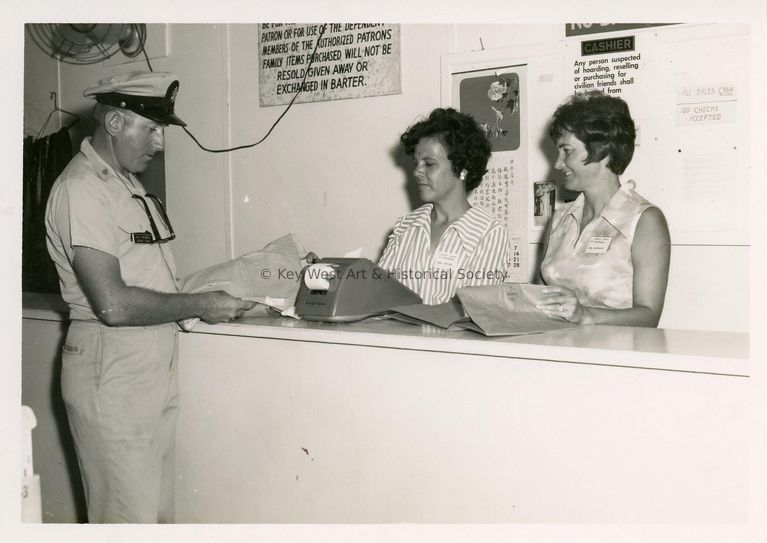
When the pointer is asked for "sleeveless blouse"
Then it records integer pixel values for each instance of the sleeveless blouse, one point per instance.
(597, 264)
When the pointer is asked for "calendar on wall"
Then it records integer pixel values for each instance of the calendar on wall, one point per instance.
(495, 97)
(502, 193)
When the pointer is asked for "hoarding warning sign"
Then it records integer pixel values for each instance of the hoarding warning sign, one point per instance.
(346, 61)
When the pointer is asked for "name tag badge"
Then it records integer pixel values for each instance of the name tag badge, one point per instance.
(598, 245)
(141, 237)
(445, 261)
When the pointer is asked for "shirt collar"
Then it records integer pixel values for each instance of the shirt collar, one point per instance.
(417, 219)
(614, 213)
(576, 208)
(470, 227)
(102, 169)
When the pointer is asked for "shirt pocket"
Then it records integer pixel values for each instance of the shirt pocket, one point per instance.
(140, 263)
(132, 220)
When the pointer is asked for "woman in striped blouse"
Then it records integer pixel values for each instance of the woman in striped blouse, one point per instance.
(446, 243)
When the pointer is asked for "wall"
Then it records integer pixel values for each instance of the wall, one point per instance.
(331, 172)
(41, 77)
(328, 164)
(328, 160)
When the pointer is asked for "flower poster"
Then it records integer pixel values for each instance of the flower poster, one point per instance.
(495, 99)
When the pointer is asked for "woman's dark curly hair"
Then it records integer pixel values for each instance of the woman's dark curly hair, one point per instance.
(603, 123)
(466, 145)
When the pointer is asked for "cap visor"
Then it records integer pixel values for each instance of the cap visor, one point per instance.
(167, 118)
(172, 119)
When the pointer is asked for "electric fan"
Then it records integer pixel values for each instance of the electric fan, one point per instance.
(85, 43)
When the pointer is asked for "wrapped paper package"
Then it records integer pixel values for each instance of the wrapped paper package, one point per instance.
(269, 277)
(507, 309)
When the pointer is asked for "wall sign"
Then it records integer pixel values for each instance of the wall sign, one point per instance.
(706, 104)
(580, 29)
(350, 61)
(607, 45)
(608, 65)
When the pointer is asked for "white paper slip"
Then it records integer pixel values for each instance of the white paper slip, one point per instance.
(598, 245)
(445, 261)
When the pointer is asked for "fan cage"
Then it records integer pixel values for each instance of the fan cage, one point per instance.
(86, 43)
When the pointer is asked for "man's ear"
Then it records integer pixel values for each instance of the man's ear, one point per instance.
(113, 122)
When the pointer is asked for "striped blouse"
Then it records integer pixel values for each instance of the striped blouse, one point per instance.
(472, 251)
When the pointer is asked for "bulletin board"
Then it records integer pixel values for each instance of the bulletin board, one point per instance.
(687, 87)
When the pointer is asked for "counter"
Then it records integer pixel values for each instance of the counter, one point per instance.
(381, 421)
(725, 353)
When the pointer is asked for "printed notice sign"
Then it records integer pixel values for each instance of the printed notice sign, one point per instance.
(609, 74)
(347, 61)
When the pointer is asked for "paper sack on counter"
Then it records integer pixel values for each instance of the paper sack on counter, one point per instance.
(507, 309)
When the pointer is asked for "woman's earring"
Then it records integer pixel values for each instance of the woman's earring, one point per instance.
(462, 177)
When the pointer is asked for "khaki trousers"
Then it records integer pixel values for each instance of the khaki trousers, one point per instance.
(120, 388)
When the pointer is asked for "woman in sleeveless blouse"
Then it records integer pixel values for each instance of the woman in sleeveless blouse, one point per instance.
(606, 254)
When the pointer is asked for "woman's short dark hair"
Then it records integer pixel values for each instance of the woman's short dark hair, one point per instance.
(603, 123)
(466, 145)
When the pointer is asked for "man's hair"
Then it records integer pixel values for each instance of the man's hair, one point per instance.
(604, 125)
(466, 145)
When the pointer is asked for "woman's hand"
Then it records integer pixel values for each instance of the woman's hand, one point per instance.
(561, 302)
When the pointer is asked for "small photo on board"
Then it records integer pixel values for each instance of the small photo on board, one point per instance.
(544, 195)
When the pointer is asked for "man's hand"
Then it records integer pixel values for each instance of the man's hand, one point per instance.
(219, 306)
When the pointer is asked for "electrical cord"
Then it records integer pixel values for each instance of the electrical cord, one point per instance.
(290, 104)
(149, 64)
(140, 31)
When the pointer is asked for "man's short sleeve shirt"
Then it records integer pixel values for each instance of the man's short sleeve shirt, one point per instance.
(90, 206)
